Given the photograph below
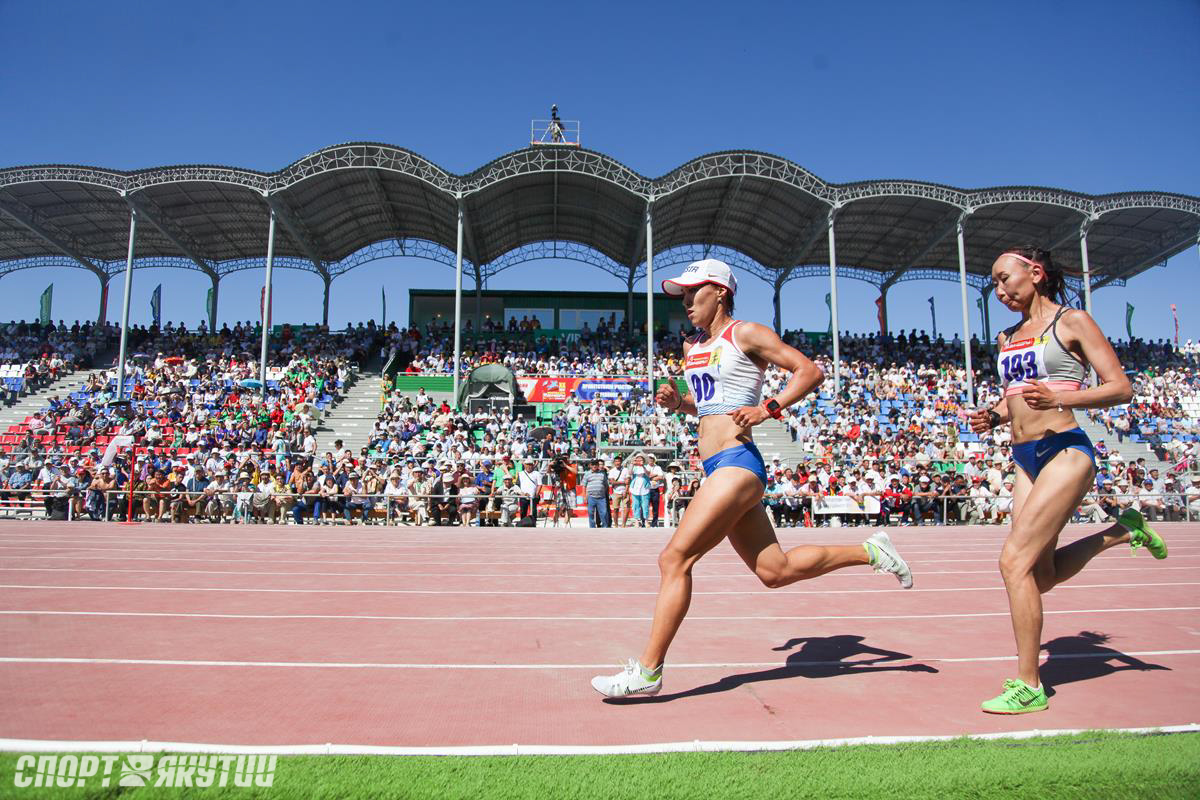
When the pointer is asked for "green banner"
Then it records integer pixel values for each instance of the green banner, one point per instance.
(208, 315)
(44, 307)
(829, 303)
(1129, 319)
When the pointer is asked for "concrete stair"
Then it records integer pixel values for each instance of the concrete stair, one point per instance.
(774, 439)
(30, 403)
(1130, 451)
(352, 419)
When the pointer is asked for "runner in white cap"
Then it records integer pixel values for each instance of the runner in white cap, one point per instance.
(724, 367)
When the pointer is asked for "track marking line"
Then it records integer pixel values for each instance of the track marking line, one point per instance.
(410, 618)
(539, 593)
(169, 662)
(525, 562)
(507, 575)
(694, 746)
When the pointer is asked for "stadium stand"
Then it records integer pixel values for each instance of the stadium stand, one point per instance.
(892, 447)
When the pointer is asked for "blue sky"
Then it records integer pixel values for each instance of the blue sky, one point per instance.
(1090, 96)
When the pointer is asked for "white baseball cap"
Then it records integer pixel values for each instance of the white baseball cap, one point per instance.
(709, 270)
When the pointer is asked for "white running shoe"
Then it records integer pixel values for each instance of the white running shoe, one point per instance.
(634, 679)
(884, 558)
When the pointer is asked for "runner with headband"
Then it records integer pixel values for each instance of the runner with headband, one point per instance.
(1043, 364)
(724, 369)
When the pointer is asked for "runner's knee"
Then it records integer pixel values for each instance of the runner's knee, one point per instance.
(672, 561)
(1015, 563)
(771, 578)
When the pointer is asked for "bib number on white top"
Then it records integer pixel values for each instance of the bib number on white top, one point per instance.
(704, 386)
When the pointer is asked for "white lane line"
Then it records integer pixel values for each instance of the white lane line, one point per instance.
(694, 746)
(170, 662)
(745, 573)
(709, 560)
(564, 555)
(303, 547)
(531, 558)
(589, 545)
(492, 593)
(571, 619)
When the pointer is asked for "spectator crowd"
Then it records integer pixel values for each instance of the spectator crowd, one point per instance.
(214, 444)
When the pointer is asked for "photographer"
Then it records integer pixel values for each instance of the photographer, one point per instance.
(563, 476)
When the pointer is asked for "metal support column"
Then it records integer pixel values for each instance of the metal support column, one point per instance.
(478, 303)
(629, 308)
(212, 312)
(266, 308)
(777, 318)
(833, 305)
(328, 279)
(966, 320)
(458, 259)
(986, 293)
(125, 307)
(1083, 256)
(102, 316)
(649, 297)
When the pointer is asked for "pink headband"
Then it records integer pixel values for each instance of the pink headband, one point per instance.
(1020, 257)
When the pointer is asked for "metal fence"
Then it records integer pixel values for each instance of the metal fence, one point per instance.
(253, 507)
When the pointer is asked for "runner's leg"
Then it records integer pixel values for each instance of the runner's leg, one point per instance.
(1027, 559)
(754, 539)
(722, 500)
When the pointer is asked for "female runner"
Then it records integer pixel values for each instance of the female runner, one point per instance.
(1043, 363)
(724, 368)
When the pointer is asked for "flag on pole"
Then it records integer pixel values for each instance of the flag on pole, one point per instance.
(1175, 314)
(879, 306)
(208, 315)
(933, 317)
(1129, 319)
(103, 303)
(156, 306)
(44, 306)
(383, 317)
(829, 303)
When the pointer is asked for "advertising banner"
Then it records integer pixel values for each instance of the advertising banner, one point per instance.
(607, 388)
(548, 390)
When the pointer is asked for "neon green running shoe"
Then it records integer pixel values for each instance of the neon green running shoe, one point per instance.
(1018, 697)
(1141, 534)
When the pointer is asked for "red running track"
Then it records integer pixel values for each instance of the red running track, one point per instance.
(424, 637)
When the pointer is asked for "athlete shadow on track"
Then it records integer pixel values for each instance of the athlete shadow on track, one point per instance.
(1083, 657)
(818, 657)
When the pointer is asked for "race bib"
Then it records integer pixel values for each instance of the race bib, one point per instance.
(703, 373)
(1023, 360)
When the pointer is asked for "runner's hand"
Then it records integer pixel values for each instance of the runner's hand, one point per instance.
(748, 416)
(667, 396)
(979, 420)
(1039, 397)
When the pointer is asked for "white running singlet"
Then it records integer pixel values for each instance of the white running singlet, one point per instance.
(721, 377)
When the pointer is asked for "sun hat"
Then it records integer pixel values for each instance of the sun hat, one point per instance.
(708, 270)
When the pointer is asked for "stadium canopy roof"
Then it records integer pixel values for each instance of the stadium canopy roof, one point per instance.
(348, 204)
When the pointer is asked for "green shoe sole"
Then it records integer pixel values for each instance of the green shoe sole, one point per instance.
(1030, 710)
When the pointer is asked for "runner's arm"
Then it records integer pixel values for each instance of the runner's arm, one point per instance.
(764, 346)
(1114, 388)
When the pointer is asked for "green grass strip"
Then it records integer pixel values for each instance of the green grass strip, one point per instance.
(1087, 765)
